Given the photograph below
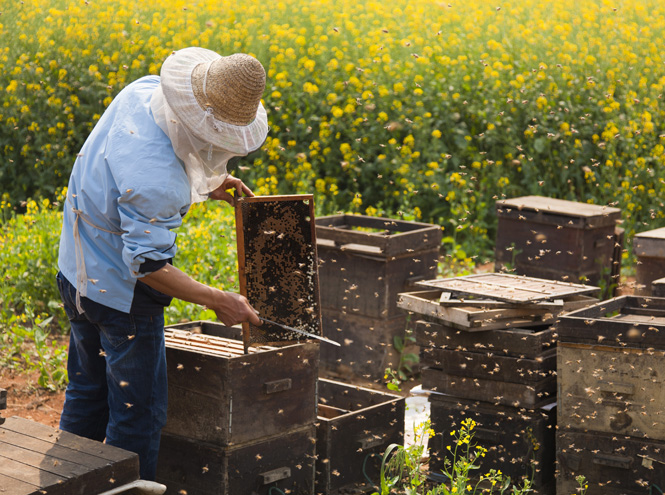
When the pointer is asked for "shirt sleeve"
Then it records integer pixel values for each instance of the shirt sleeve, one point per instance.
(148, 214)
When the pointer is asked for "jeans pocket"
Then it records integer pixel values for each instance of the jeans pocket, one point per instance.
(68, 295)
(117, 327)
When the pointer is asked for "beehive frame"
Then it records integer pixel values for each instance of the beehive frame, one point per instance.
(277, 264)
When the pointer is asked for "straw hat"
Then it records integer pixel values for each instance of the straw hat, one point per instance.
(198, 83)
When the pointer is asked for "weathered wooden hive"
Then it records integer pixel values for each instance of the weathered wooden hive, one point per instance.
(364, 263)
(649, 249)
(237, 423)
(488, 351)
(355, 425)
(559, 240)
(611, 407)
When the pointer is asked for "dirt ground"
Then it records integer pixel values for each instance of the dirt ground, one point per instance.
(26, 399)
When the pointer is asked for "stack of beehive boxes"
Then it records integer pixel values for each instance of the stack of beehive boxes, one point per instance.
(560, 240)
(493, 362)
(238, 423)
(364, 263)
(611, 411)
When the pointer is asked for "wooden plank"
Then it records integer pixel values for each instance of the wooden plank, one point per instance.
(43, 460)
(277, 261)
(526, 343)
(530, 396)
(491, 367)
(32, 475)
(12, 486)
(56, 450)
(510, 288)
(66, 439)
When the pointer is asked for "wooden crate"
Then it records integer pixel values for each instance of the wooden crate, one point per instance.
(36, 458)
(524, 343)
(616, 390)
(612, 464)
(489, 366)
(519, 442)
(363, 271)
(367, 345)
(355, 425)
(530, 395)
(649, 249)
(233, 398)
(558, 239)
(625, 321)
(281, 462)
(658, 287)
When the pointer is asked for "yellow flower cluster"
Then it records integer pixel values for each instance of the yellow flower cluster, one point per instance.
(438, 106)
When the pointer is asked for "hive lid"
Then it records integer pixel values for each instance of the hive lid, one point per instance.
(509, 288)
(548, 210)
(650, 244)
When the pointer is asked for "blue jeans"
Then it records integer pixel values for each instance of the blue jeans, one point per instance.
(117, 377)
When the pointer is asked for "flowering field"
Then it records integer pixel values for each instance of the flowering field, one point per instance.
(428, 110)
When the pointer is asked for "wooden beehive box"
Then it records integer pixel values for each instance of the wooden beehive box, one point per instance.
(658, 287)
(610, 389)
(36, 459)
(519, 442)
(612, 464)
(355, 425)
(524, 343)
(222, 396)
(282, 463)
(366, 345)
(558, 239)
(625, 321)
(364, 262)
(649, 249)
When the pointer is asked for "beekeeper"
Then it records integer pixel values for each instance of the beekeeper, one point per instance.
(161, 145)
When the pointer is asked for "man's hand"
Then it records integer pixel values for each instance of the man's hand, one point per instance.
(233, 308)
(231, 183)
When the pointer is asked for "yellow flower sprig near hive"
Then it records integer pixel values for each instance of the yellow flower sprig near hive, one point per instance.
(545, 97)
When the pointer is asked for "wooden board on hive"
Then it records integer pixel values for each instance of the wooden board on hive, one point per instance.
(277, 264)
(508, 288)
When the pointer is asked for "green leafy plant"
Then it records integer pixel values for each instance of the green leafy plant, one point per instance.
(404, 471)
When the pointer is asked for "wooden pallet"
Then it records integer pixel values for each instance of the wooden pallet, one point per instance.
(508, 288)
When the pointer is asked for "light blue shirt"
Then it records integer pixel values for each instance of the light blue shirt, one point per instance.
(132, 191)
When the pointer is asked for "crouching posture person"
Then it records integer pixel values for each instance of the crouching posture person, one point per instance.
(161, 145)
